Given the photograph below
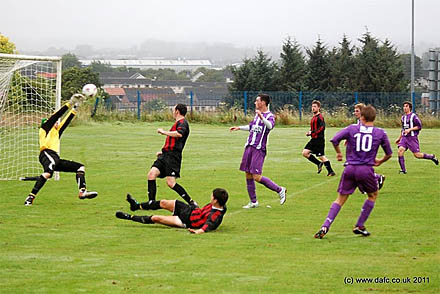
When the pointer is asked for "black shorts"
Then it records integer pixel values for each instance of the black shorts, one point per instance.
(316, 146)
(168, 164)
(51, 162)
(183, 211)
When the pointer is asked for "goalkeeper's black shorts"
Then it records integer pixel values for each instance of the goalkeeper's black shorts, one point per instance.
(51, 161)
(168, 163)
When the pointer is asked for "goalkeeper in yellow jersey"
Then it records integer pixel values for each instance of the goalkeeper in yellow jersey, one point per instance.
(50, 133)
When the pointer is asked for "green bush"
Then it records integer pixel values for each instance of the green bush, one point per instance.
(288, 116)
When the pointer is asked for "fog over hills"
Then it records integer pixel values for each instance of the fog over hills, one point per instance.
(219, 53)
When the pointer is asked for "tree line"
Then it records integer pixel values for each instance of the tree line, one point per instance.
(374, 66)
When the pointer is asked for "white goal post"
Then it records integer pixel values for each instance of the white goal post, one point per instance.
(30, 89)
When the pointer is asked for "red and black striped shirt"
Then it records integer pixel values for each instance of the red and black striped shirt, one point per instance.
(207, 218)
(175, 143)
(317, 126)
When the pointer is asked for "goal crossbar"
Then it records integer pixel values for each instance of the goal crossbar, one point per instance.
(29, 57)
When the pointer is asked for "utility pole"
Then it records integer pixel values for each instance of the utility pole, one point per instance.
(412, 56)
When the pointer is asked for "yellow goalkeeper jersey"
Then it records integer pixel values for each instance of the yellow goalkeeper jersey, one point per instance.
(51, 139)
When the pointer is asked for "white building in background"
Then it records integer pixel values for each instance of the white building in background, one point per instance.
(175, 64)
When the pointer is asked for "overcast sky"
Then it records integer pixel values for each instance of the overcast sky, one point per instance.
(37, 25)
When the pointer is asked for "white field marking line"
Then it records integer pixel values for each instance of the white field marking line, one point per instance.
(287, 196)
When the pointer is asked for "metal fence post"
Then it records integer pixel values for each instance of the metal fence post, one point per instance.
(245, 102)
(413, 100)
(95, 108)
(139, 104)
(191, 97)
(300, 104)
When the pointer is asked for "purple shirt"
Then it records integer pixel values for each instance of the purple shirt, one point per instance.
(362, 143)
(409, 121)
(258, 132)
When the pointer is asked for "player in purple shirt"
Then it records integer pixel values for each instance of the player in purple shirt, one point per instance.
(363, 141)
(255, 150)
(357, 113)
(408, 139)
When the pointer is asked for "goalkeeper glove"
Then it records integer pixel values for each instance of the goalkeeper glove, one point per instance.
(76, 98)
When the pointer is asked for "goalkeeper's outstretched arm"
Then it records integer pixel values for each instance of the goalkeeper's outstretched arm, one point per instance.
(76, 98)
(53, 119)
(66, 121)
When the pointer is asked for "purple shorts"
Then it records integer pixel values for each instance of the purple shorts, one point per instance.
(252, 161)
(361, 176)
(411, 143)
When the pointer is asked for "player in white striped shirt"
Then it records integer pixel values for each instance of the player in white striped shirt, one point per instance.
(255, 150)
(408, 139)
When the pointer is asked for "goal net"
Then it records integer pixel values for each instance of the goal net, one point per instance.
(30, 89)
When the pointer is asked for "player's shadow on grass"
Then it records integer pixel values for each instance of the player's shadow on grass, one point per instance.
(158, 227)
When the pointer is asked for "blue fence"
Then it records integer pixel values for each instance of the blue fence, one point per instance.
(330, 100)
(297, 101)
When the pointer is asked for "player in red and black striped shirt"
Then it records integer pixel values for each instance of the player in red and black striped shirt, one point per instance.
(316, 145)
(169, 159)
(196, 220)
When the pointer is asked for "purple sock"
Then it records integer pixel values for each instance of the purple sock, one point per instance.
(365, 212)
(402, 163)
(251, 190)
(270, 185)
(332, 213)
(428, 156)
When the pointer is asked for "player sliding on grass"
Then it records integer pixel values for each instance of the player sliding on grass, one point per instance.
(196, 220)
(255, 150)
(408, 139)
(316, 145)
(50, 133)
(363, 141)
(169, 159)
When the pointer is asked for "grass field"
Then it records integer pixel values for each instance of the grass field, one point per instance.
(65, 245)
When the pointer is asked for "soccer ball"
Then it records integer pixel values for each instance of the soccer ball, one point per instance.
(89, 90)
